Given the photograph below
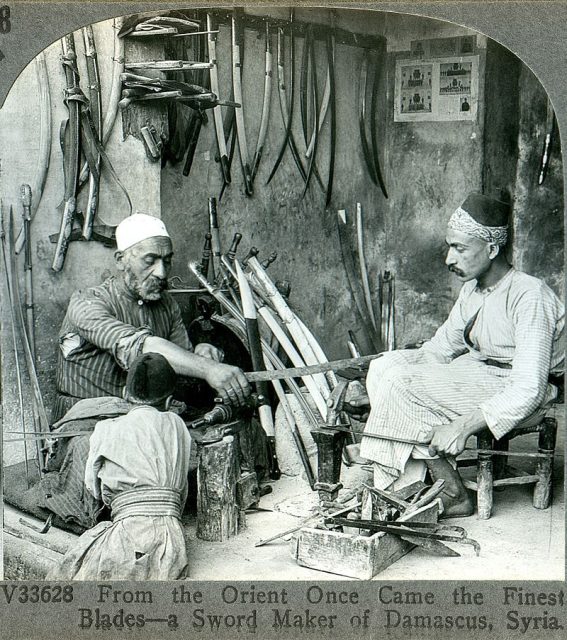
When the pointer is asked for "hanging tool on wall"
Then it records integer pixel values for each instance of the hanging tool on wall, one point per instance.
(370, 150)
(70, 141)
(304, 93)
(236, 38)
(256, 353)
(156, 24)
(314, 95)
(548, 141)
(373, 121)
(113, 100)
(95, 106)
(330, 44)
(265, 103)
(285, 110)
(217, 114)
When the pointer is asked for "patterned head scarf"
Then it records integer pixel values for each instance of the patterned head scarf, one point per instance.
(482, 217)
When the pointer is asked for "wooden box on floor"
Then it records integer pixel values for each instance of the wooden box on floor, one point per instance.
(352, 555)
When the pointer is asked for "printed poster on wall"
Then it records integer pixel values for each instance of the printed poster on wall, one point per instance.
(444, 89)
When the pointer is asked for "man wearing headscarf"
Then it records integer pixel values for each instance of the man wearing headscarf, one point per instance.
(486, 366)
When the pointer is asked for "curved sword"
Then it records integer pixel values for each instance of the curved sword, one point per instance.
(239, 115)
(315, 100)
(373, 132)
(265, 104)
(332, 89)
(114, 98)
(71, 162)
(362, 88)
(95, 105)
(274, 362)
(217, 113)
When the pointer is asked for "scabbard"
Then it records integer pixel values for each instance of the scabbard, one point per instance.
(315, 103)
(373, 128)
(362, 90)
(239, 113)
(72, 149)
(95, 105)
(265, 105)
(333, 109)
(287, 114)
(217, 114)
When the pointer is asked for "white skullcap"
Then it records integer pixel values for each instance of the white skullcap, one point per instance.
(138, 227)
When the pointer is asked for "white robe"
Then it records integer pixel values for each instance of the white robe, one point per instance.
(520, 322)
(144, 449)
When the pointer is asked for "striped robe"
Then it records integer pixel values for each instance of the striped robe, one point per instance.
(104, 330)
(519, 321)
(144, 449)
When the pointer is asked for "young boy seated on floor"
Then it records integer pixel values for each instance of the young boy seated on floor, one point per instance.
(138, 465)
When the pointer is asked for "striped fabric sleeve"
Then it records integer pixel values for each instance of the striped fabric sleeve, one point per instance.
(534, 321)
(96, 323)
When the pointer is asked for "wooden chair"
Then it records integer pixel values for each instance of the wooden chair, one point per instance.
(493, 472)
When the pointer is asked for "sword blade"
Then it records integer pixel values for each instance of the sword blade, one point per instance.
(297, 372)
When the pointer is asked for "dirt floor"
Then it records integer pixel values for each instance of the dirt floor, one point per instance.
(517, 542)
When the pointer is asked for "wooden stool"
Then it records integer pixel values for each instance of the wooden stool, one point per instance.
(493, 470)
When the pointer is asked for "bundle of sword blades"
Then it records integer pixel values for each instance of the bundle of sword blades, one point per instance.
(246, 292)
(138, 88)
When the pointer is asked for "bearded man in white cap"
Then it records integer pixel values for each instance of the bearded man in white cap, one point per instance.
(107, 326)
(487, 366)
(105, 329)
